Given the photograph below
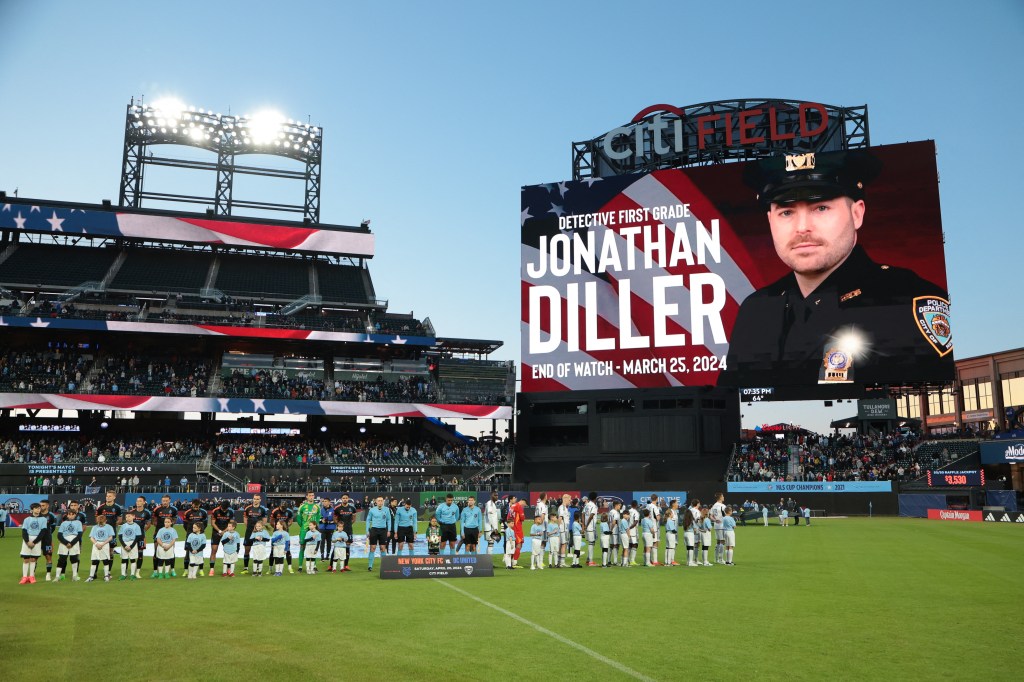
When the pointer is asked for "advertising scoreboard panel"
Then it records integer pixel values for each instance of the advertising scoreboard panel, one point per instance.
(679, 278)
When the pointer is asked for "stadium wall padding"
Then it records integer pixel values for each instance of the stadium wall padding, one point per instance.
(1006, 499)
(918, 505)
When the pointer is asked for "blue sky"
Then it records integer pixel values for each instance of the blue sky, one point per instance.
(435, 114)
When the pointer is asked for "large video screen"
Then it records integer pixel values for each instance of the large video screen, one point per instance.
(697, 277)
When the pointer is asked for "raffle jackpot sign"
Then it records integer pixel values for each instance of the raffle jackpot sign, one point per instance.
(636, 281)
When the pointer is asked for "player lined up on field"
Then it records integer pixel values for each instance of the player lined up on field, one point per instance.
(326, 530)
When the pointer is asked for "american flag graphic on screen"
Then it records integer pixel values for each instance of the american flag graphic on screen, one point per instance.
(628, 282)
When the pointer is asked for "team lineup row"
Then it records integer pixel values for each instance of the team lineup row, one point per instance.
(326, 531)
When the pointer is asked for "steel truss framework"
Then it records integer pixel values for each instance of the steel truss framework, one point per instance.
(847, 129)
(224, 135)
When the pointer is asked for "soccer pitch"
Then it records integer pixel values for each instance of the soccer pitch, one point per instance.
(841, 599)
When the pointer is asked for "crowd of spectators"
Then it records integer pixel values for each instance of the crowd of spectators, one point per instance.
(54, 370)
(399, 325)
(131, 375)
(402, 390)
(274, 383)
(246, 453)
(857, 457)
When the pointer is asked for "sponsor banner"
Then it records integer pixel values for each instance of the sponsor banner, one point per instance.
(1002, 452)
(62, 401)
(976, 416)
(644, 497)
(881, 408)
(321, 470)
(1004, 517)
(607, 498)
(97, 221)
(954, 515)
(672, 278)
(810, 487)
(402, 567)
(99, 469)
(554, 497)
(213, 330)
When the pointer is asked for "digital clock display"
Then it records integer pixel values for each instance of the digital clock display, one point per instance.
(973, 477)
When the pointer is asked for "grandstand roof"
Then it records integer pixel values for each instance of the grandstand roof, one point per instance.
(855, 421)
(481, 346)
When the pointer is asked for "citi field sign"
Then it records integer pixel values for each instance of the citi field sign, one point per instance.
(746, 127)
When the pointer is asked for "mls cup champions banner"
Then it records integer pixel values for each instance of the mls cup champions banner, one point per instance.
(636, 281)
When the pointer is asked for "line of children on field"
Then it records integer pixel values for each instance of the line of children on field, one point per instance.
(130, 535)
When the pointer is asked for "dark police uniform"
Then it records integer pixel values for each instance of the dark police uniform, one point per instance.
(900, 322)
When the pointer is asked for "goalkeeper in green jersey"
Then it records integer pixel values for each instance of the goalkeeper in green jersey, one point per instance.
(308, 511)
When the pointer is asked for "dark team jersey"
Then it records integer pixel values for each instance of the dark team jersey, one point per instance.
(251, 514)
(111, 511)
(278, 514)
(141, 517)
(161, 513)
(193, 515)
(220, 517)
(52, 521)
(345, 515)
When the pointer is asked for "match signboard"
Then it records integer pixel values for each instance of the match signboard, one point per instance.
(394, 567)
(682, 277)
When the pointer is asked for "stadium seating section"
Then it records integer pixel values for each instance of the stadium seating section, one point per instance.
(30, 265)
(341, 283)
(162, 271)
(280, 278)
(894, 456)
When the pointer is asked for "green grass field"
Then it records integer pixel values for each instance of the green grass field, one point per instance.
(842, 599)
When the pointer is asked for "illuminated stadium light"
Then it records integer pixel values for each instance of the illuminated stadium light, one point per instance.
(264, 126)
(168, 121)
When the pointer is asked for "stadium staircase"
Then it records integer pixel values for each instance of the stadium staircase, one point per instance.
(793, 465)
(445, 432)
(300, 304)
(229, 480)
(7, 252)
(487, 473)
(114, 268)
(83, 288)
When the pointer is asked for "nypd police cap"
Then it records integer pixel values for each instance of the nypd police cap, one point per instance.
(812, 176)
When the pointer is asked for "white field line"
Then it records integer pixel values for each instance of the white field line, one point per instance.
(554, 635)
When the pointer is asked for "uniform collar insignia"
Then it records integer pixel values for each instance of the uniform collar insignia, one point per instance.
(850, 294)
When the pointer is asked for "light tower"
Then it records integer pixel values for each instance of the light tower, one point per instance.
(169, 122)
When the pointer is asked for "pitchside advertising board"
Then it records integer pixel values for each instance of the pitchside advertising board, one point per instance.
(810, 487)
(98, 469)
(678, 278)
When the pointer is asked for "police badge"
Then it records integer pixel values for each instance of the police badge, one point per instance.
(931, 313)
(836, 367)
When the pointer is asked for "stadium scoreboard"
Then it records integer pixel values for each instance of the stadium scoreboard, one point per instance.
(967, 477)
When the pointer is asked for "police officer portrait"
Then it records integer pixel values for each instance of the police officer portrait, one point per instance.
(842, 315)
